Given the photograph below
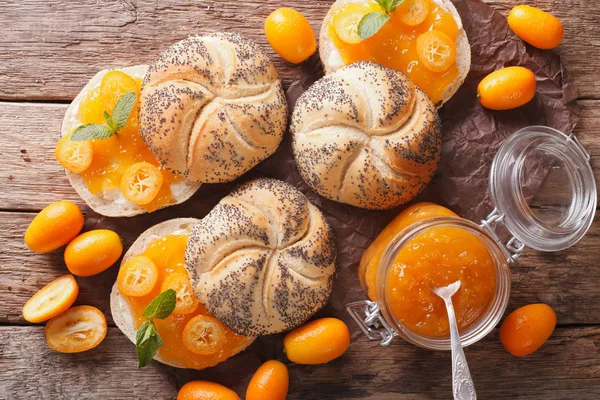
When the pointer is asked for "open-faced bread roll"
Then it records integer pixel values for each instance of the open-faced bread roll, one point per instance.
(333, 59)
(262, 261)
(212, 107)
(366, 136)
(111, 202)
(121, 309)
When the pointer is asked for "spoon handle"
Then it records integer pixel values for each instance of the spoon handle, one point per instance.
(462, 384)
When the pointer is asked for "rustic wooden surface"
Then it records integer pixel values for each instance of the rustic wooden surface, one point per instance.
(49, 49)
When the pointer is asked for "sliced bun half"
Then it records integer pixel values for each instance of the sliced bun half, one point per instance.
(113, 204)
(118, 304)
(332, 59)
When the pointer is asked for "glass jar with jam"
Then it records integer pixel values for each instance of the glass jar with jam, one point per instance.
(428, 245)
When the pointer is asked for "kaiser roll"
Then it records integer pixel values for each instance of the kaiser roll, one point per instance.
(212, 107)
(365, 135)
(262, 261)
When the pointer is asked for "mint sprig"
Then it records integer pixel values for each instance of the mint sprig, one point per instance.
(372, 22)
(147, 339)
(114, 122)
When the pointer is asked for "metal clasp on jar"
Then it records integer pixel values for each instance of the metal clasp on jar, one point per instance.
(514, 247)
(371, 322)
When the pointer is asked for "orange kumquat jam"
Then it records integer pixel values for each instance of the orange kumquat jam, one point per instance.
(167, 254)
(113, 156)
(395, 44)
(436, 257)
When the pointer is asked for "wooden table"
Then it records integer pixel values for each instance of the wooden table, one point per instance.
(50, 48)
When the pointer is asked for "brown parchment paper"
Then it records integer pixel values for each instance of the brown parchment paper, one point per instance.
(471, 136)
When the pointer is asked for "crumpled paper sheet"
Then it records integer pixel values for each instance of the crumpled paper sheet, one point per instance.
(471, 137)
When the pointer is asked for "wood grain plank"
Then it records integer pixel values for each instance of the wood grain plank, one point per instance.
(49, 49)
(34, 178)
(567, 280)
(568, 364)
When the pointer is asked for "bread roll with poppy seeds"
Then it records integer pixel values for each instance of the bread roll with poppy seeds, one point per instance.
(212, 107)
(365, 135)
(119, 307)
(262, 261)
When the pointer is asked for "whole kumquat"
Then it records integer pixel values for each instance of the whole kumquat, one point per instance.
(93, 252)
(536, 27)
(527, 328)
(290, 35)
(51, 300)
(317, 342)
(78, 329)
(204, 390)
(269, 382)
(507, 88)
(55, 226)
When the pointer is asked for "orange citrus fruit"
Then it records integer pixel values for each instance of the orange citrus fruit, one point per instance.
(56, 225)
(204, 390)
(317, 342)
(270, 381)
(77, 329)
(527, 328)
(290, 35)
(507, 88)
(93, 252)
(51, 300)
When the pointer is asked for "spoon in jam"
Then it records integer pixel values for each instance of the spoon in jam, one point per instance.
(462, 384)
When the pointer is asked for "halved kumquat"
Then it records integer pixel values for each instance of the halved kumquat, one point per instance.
(186, 299)
(345, 21)
(413, 12)
(141, 183)
(114, 84)
(51, 300)
(78, 329)
(74, 156)
(137, 277)
(204, 335)
(204, 390)
(436, 51)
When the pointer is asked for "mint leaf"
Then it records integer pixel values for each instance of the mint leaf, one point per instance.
(162, 306)
(92, 131)
(147, 343)
(109, 120)
(371, 23)
(395, 4)
(144, 332)
(122, 109)
(384, 4)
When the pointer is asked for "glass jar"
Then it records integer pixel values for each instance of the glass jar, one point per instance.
(532, 157)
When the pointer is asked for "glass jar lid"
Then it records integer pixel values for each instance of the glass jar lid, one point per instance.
(543, 188)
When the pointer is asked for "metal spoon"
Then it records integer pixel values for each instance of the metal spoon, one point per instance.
(462, 384)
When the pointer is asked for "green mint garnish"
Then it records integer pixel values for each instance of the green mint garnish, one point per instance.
(372, 22)
(147, 339)
(114, 122)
